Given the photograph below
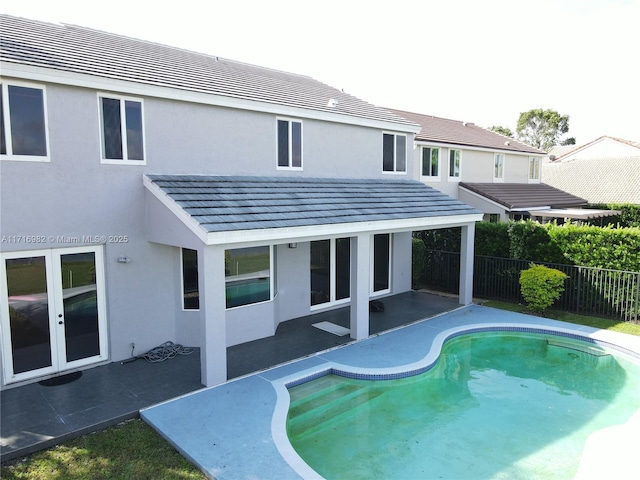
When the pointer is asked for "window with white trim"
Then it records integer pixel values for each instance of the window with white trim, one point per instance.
(289, 138)
(454, 164)
(248, 276)
(430, 162)
(121, 130)
(498, 167)
(23, 123)
(394, 152)
(534, 168)
(330, 271)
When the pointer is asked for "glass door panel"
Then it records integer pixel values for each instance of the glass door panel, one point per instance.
(80, 305)
(320, 272)
(29, 324)
(381, 270)
(343, 268)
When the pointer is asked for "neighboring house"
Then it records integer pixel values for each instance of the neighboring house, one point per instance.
(152, 194)
(604, 171)
(496, 174)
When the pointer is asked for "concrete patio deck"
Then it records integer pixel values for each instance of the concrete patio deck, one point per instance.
(34, 417)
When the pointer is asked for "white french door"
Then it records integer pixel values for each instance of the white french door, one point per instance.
(52, 311)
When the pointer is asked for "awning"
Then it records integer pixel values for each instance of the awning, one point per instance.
(575, 213)
(234, 209)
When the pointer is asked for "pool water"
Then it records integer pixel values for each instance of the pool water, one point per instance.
(495, 405)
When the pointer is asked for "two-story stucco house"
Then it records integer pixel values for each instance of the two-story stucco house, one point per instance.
(496, 174)
(153, 194)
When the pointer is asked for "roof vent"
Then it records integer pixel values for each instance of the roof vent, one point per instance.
(507, 142)
(465, 123)
(333, 103)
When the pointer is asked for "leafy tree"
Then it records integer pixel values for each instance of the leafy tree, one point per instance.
(506, 131)
(569, 141)
(542, 128)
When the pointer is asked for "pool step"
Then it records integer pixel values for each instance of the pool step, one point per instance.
(580, 347)
(323, 407)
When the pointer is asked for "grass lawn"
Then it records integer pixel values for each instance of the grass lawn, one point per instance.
(596, 322)
(131, 450)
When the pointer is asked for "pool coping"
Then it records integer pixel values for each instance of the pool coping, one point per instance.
(238, 429)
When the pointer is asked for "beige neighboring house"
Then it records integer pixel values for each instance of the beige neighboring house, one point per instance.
(495, 174)
(606, 170)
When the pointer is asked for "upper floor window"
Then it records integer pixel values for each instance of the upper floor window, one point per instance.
(289, 144)
(121, 121)
(454, 164)
(23, 124)
(394, 152)
(430, 162)
(498, 166)
(534, 168)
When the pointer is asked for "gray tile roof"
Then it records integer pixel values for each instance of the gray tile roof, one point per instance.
(599, 180)
(70, 48)
(455, 132)
(524, 195)
(220, 203)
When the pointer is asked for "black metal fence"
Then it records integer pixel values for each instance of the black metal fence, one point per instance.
(591, 291)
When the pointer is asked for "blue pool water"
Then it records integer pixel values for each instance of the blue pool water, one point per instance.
(495, 405)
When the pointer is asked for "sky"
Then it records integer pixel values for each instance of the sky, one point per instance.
(480, 61)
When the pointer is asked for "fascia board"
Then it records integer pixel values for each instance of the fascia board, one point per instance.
(315, 232)
(47, 75)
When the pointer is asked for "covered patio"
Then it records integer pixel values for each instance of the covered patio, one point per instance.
(35, 417)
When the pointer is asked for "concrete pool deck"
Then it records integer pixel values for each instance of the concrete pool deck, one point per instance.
(237, 430)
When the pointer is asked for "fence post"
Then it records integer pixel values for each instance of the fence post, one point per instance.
(579, 288)
(636, 312)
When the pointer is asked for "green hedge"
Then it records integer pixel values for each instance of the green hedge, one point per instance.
(629, 216)
(586, 245)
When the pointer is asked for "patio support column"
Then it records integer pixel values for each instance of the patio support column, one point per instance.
(213, 352)
(360, 275)
(466, 264)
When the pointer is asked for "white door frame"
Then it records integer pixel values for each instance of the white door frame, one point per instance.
(53, 258)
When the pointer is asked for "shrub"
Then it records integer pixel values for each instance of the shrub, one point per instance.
(418, 266)
(541, 286)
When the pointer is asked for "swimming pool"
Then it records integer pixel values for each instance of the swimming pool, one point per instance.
(496, 404)
(238, 429)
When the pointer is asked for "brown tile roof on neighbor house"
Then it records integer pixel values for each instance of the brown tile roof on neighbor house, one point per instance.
(524, 195)
(599, 180)
(78, 51)
(455, 132)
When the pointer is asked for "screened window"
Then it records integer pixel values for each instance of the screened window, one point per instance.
(454, 163)
(289, 144)
(430, 162)
(381, 258)
(122, 130)
(247, 275)
(394, 152)
(23, 127)
(190, 292)
(534, 168)
(498, 166)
